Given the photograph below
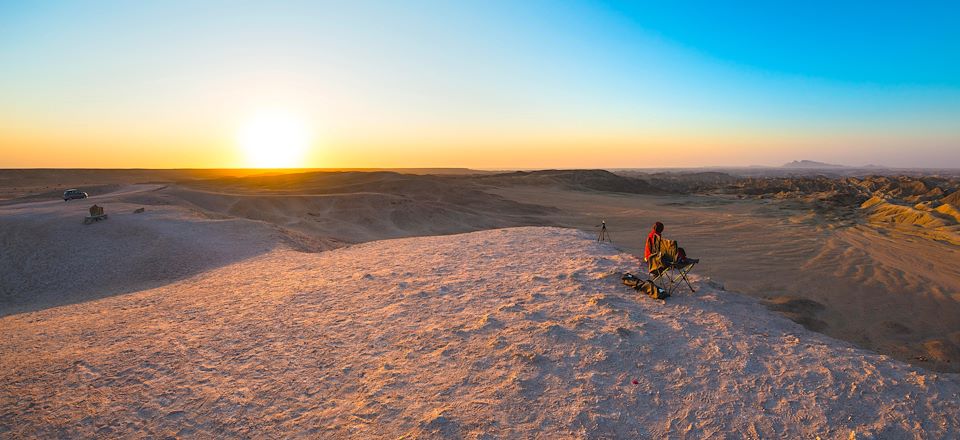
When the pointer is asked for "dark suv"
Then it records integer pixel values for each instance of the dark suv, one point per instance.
(71, 194)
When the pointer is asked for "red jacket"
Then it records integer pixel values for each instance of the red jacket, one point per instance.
(650, 247)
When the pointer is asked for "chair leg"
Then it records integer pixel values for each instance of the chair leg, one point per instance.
(688, 282)
(673, 284)
(674, 277)
(683, 274)
(673, 288)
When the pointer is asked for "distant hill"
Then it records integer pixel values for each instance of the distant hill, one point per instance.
(811, 164)
(595, 180)
(953, 198)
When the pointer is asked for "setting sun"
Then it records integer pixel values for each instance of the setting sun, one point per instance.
(274, 139)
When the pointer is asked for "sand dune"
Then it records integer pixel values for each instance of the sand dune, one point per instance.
(878, 287)
(949, 210)
(854, 284)
(50, 183)
(939, 223)
(212, 313)
(516, 333)
(357, 208)
(591, 180)
(952, 199)
(50, 258)
(879, 210)
(38, 184)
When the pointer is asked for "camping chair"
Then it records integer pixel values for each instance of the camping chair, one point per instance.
(96, 214)
(667, 269)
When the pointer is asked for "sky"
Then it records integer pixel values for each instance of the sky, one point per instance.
(485, 84)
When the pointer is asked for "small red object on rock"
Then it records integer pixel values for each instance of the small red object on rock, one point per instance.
(636, 382)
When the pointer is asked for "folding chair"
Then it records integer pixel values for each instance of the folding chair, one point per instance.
(669, 275)
(666, 271)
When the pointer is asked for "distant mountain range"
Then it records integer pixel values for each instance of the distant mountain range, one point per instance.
(811, 164)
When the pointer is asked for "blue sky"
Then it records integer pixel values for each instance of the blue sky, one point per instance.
(883, 43)
(486, 84)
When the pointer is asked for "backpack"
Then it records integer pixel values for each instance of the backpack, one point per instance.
(645, 286)
(652, 290)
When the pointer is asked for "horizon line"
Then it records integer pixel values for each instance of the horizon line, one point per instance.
(779, 167)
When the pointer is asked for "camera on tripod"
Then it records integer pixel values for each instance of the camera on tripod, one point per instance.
(604, 234)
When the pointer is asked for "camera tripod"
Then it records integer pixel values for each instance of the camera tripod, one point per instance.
(604, 234)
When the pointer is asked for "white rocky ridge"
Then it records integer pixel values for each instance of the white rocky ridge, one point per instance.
(509, 333)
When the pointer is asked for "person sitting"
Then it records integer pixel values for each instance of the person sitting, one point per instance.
(659, 253)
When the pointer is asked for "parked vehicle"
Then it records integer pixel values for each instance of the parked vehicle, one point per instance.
(71, 194)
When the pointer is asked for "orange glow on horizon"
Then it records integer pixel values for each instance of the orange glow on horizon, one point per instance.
(474, 148)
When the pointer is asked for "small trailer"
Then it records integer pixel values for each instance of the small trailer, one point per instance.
(96, 214)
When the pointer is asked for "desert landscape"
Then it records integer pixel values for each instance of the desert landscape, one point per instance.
(479, 220)
(249, 304)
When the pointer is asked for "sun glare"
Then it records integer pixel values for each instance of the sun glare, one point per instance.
(274, 139)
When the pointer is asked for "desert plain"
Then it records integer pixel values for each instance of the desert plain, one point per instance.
(478, 304)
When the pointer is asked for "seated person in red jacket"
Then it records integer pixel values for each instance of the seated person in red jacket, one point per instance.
(659, 256)
(653, 241)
